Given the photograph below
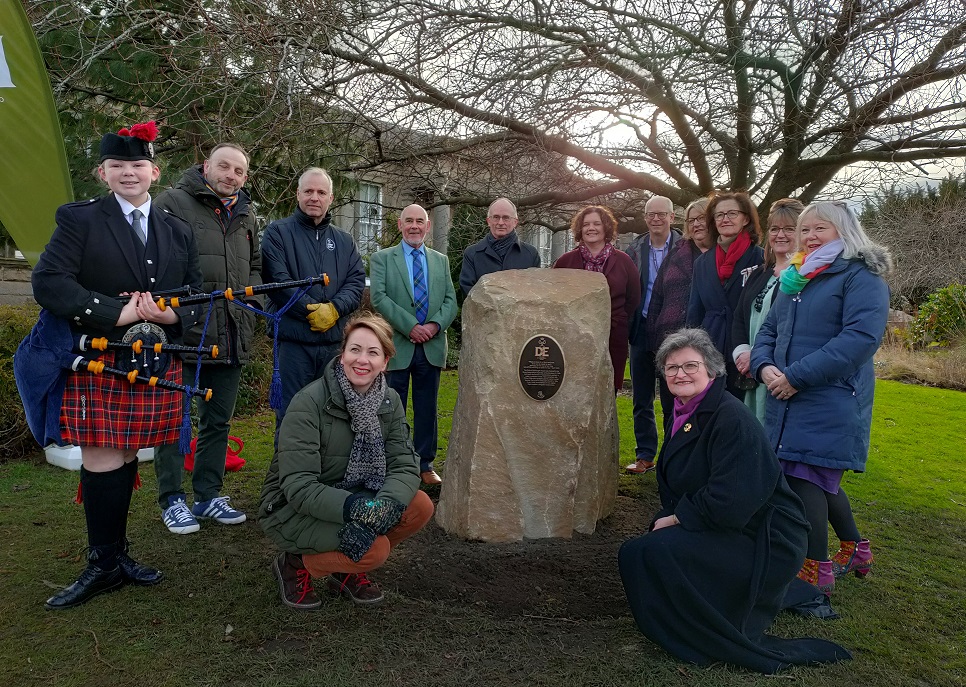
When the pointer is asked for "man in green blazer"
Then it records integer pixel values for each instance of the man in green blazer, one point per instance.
(411, 286)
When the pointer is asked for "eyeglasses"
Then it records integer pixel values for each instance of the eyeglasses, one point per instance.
(501, 218)
(774, 231)
(689, 368)
(731, 214)
(656, 215)
(699, 218)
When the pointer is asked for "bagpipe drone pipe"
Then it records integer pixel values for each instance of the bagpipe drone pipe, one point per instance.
(51, 350)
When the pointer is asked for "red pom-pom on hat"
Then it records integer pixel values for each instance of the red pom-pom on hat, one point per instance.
(146, 131)
(124, 132)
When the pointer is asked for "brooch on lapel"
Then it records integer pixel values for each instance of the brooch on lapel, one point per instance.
(687, 427)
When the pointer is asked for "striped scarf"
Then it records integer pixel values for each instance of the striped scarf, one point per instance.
(228, 202)
(367, 457)
(803, 268)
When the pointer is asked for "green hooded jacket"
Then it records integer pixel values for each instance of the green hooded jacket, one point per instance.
(301, 509)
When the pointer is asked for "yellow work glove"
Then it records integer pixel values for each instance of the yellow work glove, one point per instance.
(322, 316)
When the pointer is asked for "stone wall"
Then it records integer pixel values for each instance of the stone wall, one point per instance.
(15, 282)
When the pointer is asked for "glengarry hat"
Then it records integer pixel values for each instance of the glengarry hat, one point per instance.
(130, 144)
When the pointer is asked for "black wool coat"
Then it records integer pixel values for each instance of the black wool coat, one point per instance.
(707, 589)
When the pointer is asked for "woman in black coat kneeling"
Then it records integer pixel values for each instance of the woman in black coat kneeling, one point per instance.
(709, 578)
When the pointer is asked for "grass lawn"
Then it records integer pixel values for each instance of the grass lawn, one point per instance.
(216, 620)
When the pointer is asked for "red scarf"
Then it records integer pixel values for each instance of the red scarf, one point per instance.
(726, 261)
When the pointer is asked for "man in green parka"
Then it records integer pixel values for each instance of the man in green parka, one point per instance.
(210, 198)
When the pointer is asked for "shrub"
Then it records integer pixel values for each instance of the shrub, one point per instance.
(16, 441)
(942, 318)
(256, 378)
(925, 230)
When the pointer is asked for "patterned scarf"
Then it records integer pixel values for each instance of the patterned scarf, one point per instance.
(502, 246)
(595, 263)
(803, 268)
(367, 459)
(229, 202)
(725, 261)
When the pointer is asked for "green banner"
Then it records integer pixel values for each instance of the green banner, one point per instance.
(34, 177)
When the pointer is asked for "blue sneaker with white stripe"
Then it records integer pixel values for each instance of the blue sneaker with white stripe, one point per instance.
(217, 509)
(177, 518)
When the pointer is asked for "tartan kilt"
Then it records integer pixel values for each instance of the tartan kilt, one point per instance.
(107, 410)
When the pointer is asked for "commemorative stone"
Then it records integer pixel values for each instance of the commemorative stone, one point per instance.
(534, 448)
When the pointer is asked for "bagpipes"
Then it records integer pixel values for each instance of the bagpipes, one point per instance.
(177, 298)
(51, 349)
(143, 338)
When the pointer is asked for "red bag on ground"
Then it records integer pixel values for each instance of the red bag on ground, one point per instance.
(233, 461)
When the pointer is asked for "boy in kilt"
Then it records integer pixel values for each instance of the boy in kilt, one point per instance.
(103, 261)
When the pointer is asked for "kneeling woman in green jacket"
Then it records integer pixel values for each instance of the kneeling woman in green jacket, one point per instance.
(343, 486)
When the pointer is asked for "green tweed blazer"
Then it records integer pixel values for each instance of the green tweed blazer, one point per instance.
(391, 293)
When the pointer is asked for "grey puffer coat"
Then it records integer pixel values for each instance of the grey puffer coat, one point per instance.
(229, 254)
(301, 509)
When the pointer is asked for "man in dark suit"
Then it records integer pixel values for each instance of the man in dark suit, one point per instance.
(411, 287)
(648, 252)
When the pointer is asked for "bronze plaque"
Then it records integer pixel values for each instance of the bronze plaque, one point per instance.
(541, 367)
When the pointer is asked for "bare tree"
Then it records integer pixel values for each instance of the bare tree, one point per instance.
(780, 97)
(554, 102)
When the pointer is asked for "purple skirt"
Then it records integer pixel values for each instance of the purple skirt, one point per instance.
(827, 479)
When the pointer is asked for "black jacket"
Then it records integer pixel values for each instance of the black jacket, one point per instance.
(296, 248)
(709, 588)
(739, 327)
(480, 259)
(92, 259)
(713, 304)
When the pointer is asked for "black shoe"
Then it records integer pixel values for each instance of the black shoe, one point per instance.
(135, 573)
(92, 581)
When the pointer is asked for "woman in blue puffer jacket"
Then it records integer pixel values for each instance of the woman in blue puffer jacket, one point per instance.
(814, 353)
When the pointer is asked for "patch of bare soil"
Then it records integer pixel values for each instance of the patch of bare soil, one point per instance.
(549, 578)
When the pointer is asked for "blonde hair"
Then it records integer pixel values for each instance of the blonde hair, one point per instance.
(788, 209)
(375, 324)
(701, 204)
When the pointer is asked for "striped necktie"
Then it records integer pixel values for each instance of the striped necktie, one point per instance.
(138, 227)
(420, 293)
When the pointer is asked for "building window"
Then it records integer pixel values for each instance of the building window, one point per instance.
(368, 217)
(540, 238)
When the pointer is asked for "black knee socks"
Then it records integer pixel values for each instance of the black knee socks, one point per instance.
(131, 472)
(107, 496)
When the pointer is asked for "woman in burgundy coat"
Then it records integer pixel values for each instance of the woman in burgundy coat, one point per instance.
(594, 229)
